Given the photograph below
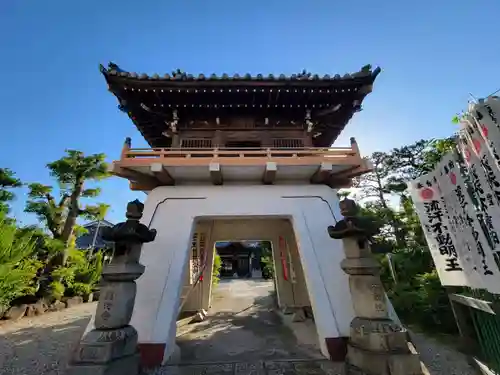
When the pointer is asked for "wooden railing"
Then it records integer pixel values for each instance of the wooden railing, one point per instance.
(160, 153)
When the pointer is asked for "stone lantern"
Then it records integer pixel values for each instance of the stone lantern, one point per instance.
(111, 347)
(377, 345)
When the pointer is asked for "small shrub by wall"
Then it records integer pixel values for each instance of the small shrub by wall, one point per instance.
(216, 268)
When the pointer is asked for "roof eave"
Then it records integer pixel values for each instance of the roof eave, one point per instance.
(120, 77)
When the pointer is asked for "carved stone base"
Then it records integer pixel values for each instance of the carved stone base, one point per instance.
(105, 346)
(108, 348)
(379, 335)
(122, 366)
(361, 361)
(116, 305)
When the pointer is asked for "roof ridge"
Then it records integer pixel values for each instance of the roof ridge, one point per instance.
(178, 75)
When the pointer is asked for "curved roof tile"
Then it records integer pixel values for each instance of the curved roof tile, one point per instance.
(114, 70)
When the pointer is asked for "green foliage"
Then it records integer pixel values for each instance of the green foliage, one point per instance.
(268, 270)
(216, 268)
(267, 260)
(50, 212)
(66, 274)
(423, 302)
(71, 172)
(80, 275)
(44, 260)
(75, 167)
(17, 267)
(90, 272)
(8, 181)
(57, 290)
(79, 289)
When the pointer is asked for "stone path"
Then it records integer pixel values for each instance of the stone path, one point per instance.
(244, 335)
(316, 367)
(242, 326)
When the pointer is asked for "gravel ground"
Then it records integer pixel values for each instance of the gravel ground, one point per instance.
(43, 345)
(439, 358)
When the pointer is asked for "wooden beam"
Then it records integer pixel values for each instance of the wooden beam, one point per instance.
(132, 175)
(475, 303)
(323, 173)
(137, 186)
(215, 173)
(270, 173)
(350, 172)
(339, 183)
(159, 171)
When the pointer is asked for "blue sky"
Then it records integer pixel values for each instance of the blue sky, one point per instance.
(52, 96)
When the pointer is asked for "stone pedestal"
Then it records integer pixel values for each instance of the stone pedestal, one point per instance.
(377, 345)
(111, 348)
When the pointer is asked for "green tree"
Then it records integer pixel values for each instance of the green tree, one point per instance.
(17, 267)
(375, 190)
(412, 161)
(418, 295)
(60, 215)
(8, 181)
(266, 253)
(216, 268)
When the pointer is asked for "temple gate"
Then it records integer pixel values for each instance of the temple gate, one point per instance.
(225, 150)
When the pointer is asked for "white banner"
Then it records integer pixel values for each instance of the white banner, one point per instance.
(483, 175)
(472, 244)
(459, 206)
(485, 118)
(438, 231)
(486, 159)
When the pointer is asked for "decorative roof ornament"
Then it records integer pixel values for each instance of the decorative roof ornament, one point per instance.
(364, 72)
(115, 67)
(122, 106)
(304, 75)
(309, 123)
(175, 121)
(179, 74)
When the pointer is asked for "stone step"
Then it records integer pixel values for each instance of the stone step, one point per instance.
(271, 367)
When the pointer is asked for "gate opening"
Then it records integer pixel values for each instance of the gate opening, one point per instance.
(251, 302)
(244, 259)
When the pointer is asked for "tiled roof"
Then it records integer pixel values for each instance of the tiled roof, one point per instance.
(179, 76)
(101, 223)
(86, 240)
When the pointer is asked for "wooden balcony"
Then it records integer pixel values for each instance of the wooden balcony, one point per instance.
(149, 168)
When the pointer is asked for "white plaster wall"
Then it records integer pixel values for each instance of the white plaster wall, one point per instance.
(172, 211)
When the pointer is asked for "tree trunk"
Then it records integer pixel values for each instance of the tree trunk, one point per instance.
(73, 212)
(392, 219)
